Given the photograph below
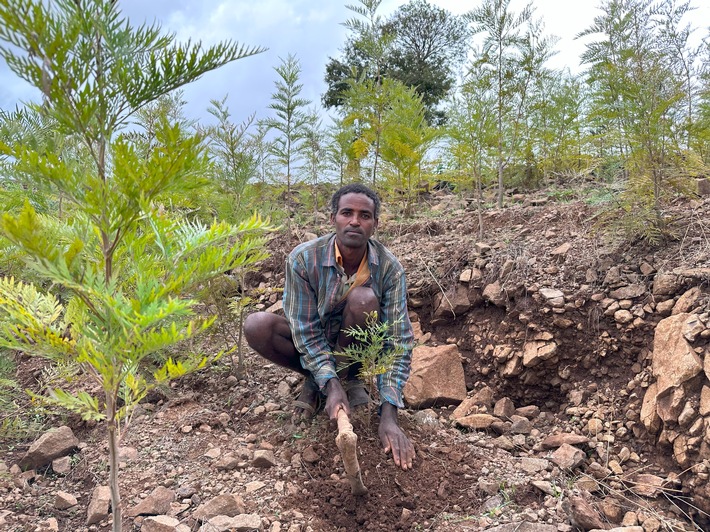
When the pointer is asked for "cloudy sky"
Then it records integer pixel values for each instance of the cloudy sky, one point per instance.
(310, 29)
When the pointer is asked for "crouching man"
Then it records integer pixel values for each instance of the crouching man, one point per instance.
(332, 284)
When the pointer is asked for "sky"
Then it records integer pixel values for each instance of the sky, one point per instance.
(312, 30)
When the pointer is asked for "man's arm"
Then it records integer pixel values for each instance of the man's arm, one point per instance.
(300, 301)
(394, 313)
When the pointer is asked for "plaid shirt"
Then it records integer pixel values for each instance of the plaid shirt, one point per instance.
(311, 304)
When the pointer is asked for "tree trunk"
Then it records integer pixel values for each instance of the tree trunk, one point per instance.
(113, 463)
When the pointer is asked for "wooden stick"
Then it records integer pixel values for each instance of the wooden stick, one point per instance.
(347, 445)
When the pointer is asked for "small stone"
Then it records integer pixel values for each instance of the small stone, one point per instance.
(98, 505)
(64, 500)
(256, 485)
(159, 523)
(157, 503)
(568, 457)
(226, 504)
(264, 458)
(213, 453)
(309, 455)
(61, 466)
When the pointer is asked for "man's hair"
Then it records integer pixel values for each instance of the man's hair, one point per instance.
(355, 188)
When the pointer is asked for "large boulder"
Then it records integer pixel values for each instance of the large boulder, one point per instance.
(674, 360)
(437, 377)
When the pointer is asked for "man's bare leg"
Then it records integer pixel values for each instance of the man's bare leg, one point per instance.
(270, 336)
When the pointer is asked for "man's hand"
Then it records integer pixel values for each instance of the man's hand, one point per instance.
(336, 398)
(393, 439)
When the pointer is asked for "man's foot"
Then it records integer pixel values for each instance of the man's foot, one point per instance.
(357, 394)
(309, 401)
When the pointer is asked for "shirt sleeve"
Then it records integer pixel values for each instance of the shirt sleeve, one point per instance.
(301, 309)
(394, 312)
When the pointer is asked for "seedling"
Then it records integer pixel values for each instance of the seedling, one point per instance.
(374, 350)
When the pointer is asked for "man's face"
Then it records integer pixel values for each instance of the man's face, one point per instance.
(355, 220)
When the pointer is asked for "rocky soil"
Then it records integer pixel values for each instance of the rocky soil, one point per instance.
(561, 382)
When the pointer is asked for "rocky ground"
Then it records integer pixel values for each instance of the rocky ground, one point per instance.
(562, 382)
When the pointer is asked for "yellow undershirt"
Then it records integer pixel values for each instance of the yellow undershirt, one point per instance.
(359, 278)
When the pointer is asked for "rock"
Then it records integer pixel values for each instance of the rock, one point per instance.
(533, 465)
(628, 292)
(546, 487)
(666, 284)
(437, 377)
(227, 462)
(504, 408)
(283, 389)
(664, 308)
(213, 453)
(520, 425)
(495, 294)
(467, 407)
(560, 252)
(646, 485)
(619, 529)
(568, 457)
(483, 397)
(551, 293)
(613, 276)
(157, 503)
(587, 483)
(688, 301)
(263, 458)
(682, 451)
(649, 410)
(674, 360)
(537, 351)
(612, 509)
(512, 367)
(279, 305)
(238, 523)
(694, 328)
(704, 407)
(623, 317)
(310, 456)
(64, 500)
(427, 419)
(530, 411)
(159, 523)
(254, 485)
(523, 526)
(471, 276)
(52, 444)
(595, 426)
(127, 454)
(556, 440)
(581, 513)
(670, 405)
(454, 304)
(61, 466)
(226, 504)
(477, 421)
(98, 505)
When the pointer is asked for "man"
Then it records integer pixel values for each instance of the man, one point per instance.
(332, 284)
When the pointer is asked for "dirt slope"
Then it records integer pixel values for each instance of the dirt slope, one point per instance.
(200, 438)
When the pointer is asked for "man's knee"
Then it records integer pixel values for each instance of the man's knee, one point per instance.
(256, 327)
(361, 301)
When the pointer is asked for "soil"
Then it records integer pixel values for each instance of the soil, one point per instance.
(461, 480)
